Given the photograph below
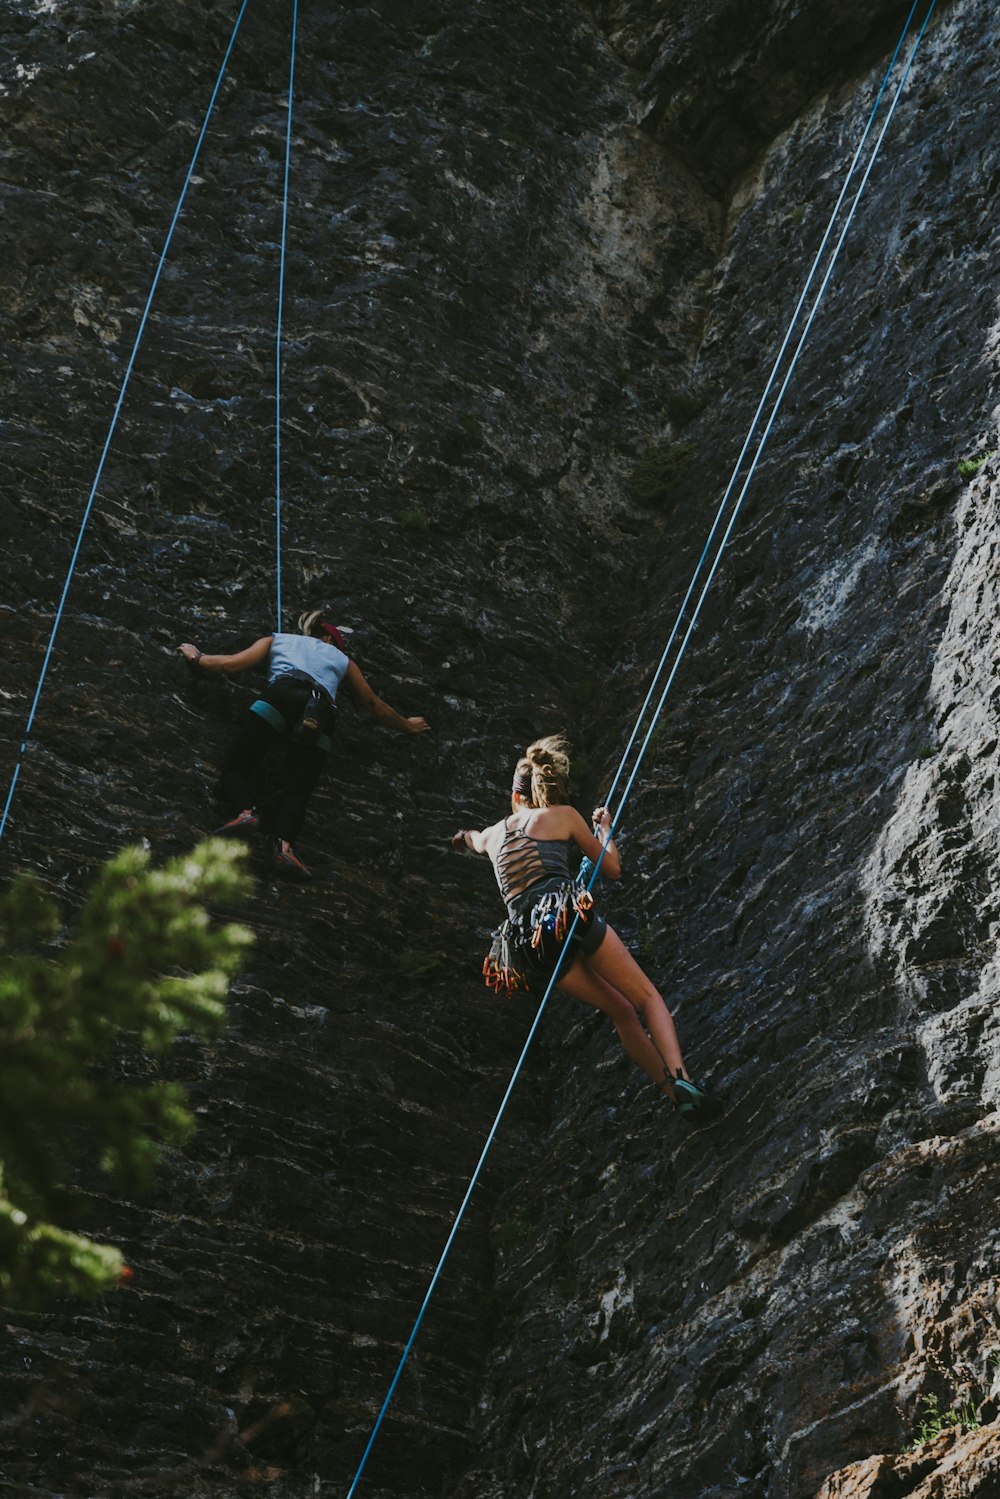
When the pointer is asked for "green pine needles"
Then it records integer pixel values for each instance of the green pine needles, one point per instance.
(148, 959)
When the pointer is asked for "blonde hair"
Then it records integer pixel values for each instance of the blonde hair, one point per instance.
(310, 621)
(542, 773)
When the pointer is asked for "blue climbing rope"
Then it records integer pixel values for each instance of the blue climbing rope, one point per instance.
(281, 303)
(769, 386)
(779, 400)
(114, 422)
(659, 708)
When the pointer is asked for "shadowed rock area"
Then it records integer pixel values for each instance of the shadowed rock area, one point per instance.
(536, 253)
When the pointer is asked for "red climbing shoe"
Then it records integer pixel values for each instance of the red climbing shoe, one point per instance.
(240, 826)
(288, 864)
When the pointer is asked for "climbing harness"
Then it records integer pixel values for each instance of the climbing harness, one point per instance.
(550, 918)
(319, 717)
(541, 898)
(542, 931)
(682, 647)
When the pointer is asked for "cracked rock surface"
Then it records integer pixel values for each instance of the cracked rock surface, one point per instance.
(529, 247)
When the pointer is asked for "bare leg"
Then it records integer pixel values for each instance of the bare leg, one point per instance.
(615, 964)
(582, 983)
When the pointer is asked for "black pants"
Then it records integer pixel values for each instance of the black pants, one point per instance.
(305, 755)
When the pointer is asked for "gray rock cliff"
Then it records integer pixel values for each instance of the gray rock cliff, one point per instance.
(530, 247)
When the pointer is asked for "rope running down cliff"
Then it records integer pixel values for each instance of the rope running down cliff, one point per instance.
(114, 421)
(779, 400)
(687, 636)
(281, 303)
(770, 382)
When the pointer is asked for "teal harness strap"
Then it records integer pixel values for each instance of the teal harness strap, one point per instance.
(269, 713)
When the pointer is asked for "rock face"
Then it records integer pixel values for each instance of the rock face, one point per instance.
(529, 247)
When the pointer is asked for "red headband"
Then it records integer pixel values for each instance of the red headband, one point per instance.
(335, 635)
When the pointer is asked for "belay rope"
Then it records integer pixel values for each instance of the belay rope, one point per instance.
(684, 641)
(281, 305)
(579, 910)
(772, 377)
(88, 508)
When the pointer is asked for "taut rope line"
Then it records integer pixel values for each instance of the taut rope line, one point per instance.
(281, 303)
(771, 419)
(595, 872)
(114, 422)
(763, 401)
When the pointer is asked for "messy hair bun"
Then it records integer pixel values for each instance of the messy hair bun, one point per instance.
(545, 767)
(311, 622)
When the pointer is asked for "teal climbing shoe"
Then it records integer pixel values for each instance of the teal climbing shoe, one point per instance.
(692, 1099)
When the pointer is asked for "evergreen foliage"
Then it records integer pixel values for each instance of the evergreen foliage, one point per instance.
(146, 958)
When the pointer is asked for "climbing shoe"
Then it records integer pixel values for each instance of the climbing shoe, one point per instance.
(693, 1100)
(240, 826)
(288, 864)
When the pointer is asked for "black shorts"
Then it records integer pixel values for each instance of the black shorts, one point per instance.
(535, 943)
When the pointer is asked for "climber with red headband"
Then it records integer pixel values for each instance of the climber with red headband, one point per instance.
(304, 673)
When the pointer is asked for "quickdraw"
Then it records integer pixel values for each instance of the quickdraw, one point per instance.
(499, 969)
(550, 918)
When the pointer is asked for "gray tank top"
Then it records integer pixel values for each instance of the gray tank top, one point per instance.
(522, 861)
(324, 664)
